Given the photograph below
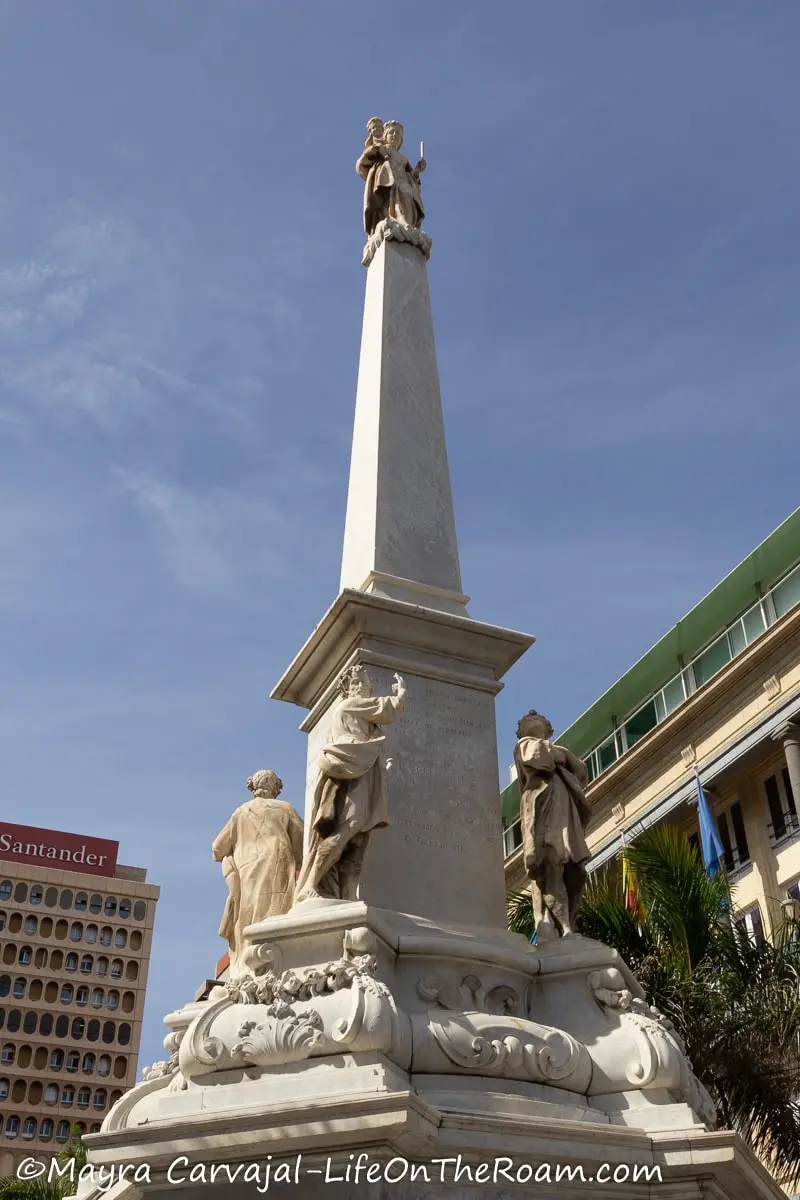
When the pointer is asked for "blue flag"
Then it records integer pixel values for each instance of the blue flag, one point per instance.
(713, 850)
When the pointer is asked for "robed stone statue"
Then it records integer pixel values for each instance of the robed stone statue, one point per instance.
(392, 186)
(554, 814)
(350, 797)
(261, 849)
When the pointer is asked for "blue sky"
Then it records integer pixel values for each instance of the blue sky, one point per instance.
(613, 196)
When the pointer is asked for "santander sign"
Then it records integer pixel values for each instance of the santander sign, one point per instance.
(51, 848)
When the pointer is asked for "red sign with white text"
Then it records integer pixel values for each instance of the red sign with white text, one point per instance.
(51, 848)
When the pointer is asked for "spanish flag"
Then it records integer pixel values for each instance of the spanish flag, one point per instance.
(630, 888)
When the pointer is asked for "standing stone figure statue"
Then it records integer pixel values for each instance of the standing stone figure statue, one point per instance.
(350, 797)
(260, 849)
(554, 814)
(392, 187)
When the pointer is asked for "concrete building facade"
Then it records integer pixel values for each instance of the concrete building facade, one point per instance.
(718, 695)
(74, 953)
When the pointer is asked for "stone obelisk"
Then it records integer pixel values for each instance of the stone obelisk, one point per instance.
(401, 609)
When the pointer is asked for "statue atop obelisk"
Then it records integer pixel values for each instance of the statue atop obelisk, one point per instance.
(401, 607)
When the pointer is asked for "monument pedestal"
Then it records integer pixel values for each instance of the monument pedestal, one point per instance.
(410, 1041)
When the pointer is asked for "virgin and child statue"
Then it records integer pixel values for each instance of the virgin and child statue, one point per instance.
(392, 186)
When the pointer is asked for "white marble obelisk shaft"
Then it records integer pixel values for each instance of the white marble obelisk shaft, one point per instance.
(400, 529)
(401, 609)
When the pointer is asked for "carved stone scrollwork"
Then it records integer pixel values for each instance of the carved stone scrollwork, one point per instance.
(389, 230)
(487, 1037)
(285, 1037)
(489, 1044)
(301, 1012)
(470, 995)
(649, 1049)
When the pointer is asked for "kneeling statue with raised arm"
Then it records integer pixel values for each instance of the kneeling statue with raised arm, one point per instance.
(350, 798)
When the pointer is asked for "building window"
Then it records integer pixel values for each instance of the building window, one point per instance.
(781, 805)
(21, 893)
(712, 660)
(51, 897)
(65, 900)
(62, 1131)
(121, 939)
(67, 993)
(46, 1130)
(5, 985)
(108, 1032)
(81, 902)
(8, 1054)
(99, 1101)
(97, 998)
(96, 904)
(139, 910)
(51, 1093)
(82, 997)
(5, 889)
(106, 935)
(87, 962)
(84, 1097)
(76, 931)
(31, 925)
(512, 837)
(3, 1088)
(116, 969)
(12, 1127)
(93, 1031)
(751, 922)
(46, 1024)
(110, 906)
(14, 1020)
(29, 1128)
(113, 1000)
(25, 956)
(642, 721)
(71, 961)
(56, 1060)
(124, 909)
(102, 966)
(91, 934)
(68, 1096)
(62, 1027)
(20, 985)
(124, 1035)
(787, 593)
(104, 1065)
(88, 1063)
(78, 1028)
(29, 1022)
(73, 1061)
(733, 837)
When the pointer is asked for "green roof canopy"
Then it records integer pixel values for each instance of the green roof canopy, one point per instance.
(723, 604)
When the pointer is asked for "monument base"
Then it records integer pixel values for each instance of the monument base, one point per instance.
(363, 1031)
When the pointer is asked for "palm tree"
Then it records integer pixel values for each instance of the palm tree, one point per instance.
(44, 1189)
(736, 1004)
